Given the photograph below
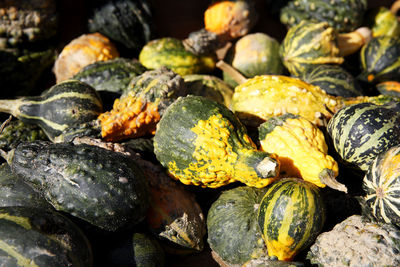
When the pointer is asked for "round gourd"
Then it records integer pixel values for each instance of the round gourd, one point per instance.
(254, 54)
(380, 60)
(343, 15)
(171, 53)
(333, 79)
(391, 88)
(82, 51)
(361, 131)
(113, 75)
(128, 23)
(357, 242)
(291, 215)
(201, 142)
(233, 231)
(381, 186)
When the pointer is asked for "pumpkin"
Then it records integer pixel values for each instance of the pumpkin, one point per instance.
(36, 237)
(297, 142)
(357, 242)
(63, 105)
(202, 143)
(291, 215)
(128, 23)
(24, 23)
(104, 188)
(254, 54)
(380, 186)
(309, 43)
(233, 231)
(361, 131)
(141, 106)
(333, 79)
(382, 21)
(82, 51)
(171, 53)
(391, 88)
(230, 19)
(209, 86)
(343, 15)
(380, 60)
(113, 75)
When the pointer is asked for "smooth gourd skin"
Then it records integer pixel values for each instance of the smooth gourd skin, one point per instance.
(202, 143)
(233, 231)
(291, 215)
(362, 131)
(381, 186)
(34, 237)
(102, 187)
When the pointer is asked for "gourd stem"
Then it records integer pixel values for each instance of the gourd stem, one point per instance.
(327, 177)
(235, 74)
(351, 42)
(11, 106)
(394, 8)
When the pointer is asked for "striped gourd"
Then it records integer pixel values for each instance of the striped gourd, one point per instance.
(333, 79)
(291, 215)
(171, 53)
(65, 104)
(391, 88)
(362, 131)
(380, 59)
(382, 186)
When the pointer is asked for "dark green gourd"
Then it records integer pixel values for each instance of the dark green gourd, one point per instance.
(15, 192)
(34, 237)
(100, 186)
(64, 105)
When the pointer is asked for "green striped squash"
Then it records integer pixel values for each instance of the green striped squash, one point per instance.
(382, 186)
(35, 237)
(308, 44)
(391, 88)
(291, 215)
(64, 105)
(361, 131)
(333, 79)
(380, 60)
(171, 53)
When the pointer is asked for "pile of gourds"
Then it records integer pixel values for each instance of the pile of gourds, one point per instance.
(144, 150)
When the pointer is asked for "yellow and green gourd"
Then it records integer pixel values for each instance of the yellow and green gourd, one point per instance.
(383, 22)
(201, 142)
(301, 150)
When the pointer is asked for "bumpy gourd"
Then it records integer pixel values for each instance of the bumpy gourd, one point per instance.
(201, 142)
(141, 106)
(382, 22)
(301, 149)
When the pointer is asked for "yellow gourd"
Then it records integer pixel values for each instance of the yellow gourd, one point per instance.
(301, 149)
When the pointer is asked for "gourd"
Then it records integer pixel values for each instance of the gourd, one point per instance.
(82, 51)
(333, 79)
(344, 16)
(360, 132)
(102, 187)
(254, 54)
(267, 261)
(357, 242)
(261, 97)
(128, 23)
(171, 53)
(301, 150)
(308, 44)
(233, 231)
(24, 23)
(35, 237)
(380, 60)
(202, 143)
(380, 186)
(63, 105)
(209, 86)
(391, 88)
(141, 106)
(14, 192)
(291, 215)
(230, 19)
(382, 21)
(113, 75)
